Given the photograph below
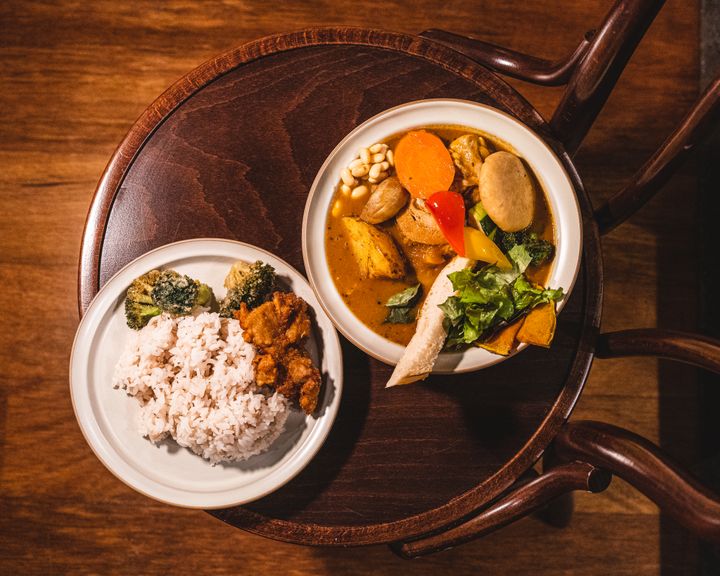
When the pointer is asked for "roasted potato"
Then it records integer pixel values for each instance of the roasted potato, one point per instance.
(373, 249)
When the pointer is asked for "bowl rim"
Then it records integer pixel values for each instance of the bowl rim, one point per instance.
(577, 229)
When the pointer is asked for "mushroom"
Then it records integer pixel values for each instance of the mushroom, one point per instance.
(506, 192)
(386, 201)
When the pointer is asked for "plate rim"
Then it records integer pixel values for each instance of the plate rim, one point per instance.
(292, 467)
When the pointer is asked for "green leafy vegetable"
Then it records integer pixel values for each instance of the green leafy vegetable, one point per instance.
(489, 296)
(525, 295)
(539, 250)
(520, 257)
(400, 315)
(400, 306)
(405, 298)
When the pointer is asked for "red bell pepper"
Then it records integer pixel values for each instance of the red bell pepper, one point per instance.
(448, 208)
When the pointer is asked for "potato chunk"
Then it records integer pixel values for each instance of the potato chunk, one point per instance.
(507, 192)
(374, 250)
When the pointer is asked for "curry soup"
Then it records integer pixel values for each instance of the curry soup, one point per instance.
(366, 297)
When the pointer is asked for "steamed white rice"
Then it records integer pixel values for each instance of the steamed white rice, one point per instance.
(194, 380)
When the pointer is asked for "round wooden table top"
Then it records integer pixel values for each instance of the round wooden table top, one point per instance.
(231, 151)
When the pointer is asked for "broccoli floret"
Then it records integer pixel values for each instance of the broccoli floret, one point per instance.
(139, 304)
(179, 294)
(156, 292)
(250, 284)
(139, 314)
(540, 250)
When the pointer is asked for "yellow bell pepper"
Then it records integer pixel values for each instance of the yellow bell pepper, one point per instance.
(479, 247)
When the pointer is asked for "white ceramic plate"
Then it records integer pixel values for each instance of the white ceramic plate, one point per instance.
(166, 471)
(528, 145)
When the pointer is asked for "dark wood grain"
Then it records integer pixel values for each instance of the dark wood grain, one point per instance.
(597, 73)
(700, 122)
(75, 78)
(237, 146)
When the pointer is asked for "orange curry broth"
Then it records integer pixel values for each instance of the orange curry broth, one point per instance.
(366, 297)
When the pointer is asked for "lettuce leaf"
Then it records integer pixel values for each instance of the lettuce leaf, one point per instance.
(487, 297)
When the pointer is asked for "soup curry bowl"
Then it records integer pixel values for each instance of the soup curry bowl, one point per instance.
(447, 117)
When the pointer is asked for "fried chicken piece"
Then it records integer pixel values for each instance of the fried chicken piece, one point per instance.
(302, 380)
(278, 329)
(266, 369)
(283, 320)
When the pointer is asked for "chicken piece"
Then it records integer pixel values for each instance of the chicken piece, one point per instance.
(417, 224)
(261, 326)
(299, 323)
(278, 329)
(302, 380)
(284, 320)
(266, 369)
(466, 154)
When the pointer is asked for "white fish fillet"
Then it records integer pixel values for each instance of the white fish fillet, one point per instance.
(421, 352)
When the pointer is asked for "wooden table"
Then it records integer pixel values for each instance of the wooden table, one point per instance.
(75, 76)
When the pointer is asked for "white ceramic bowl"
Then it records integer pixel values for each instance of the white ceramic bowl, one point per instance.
(547, 168)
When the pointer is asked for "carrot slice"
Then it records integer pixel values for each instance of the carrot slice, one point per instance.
(423, 164)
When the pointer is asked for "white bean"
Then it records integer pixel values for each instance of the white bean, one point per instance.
(364, 155)
(345, 189)
(375, 148)
(360, 192)
(375, 171)
(385, 166)
(379, 157)
(347, 177)
(360, 171)
(337, 208)
(355, 163)
(382, 176)
(390, 157)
